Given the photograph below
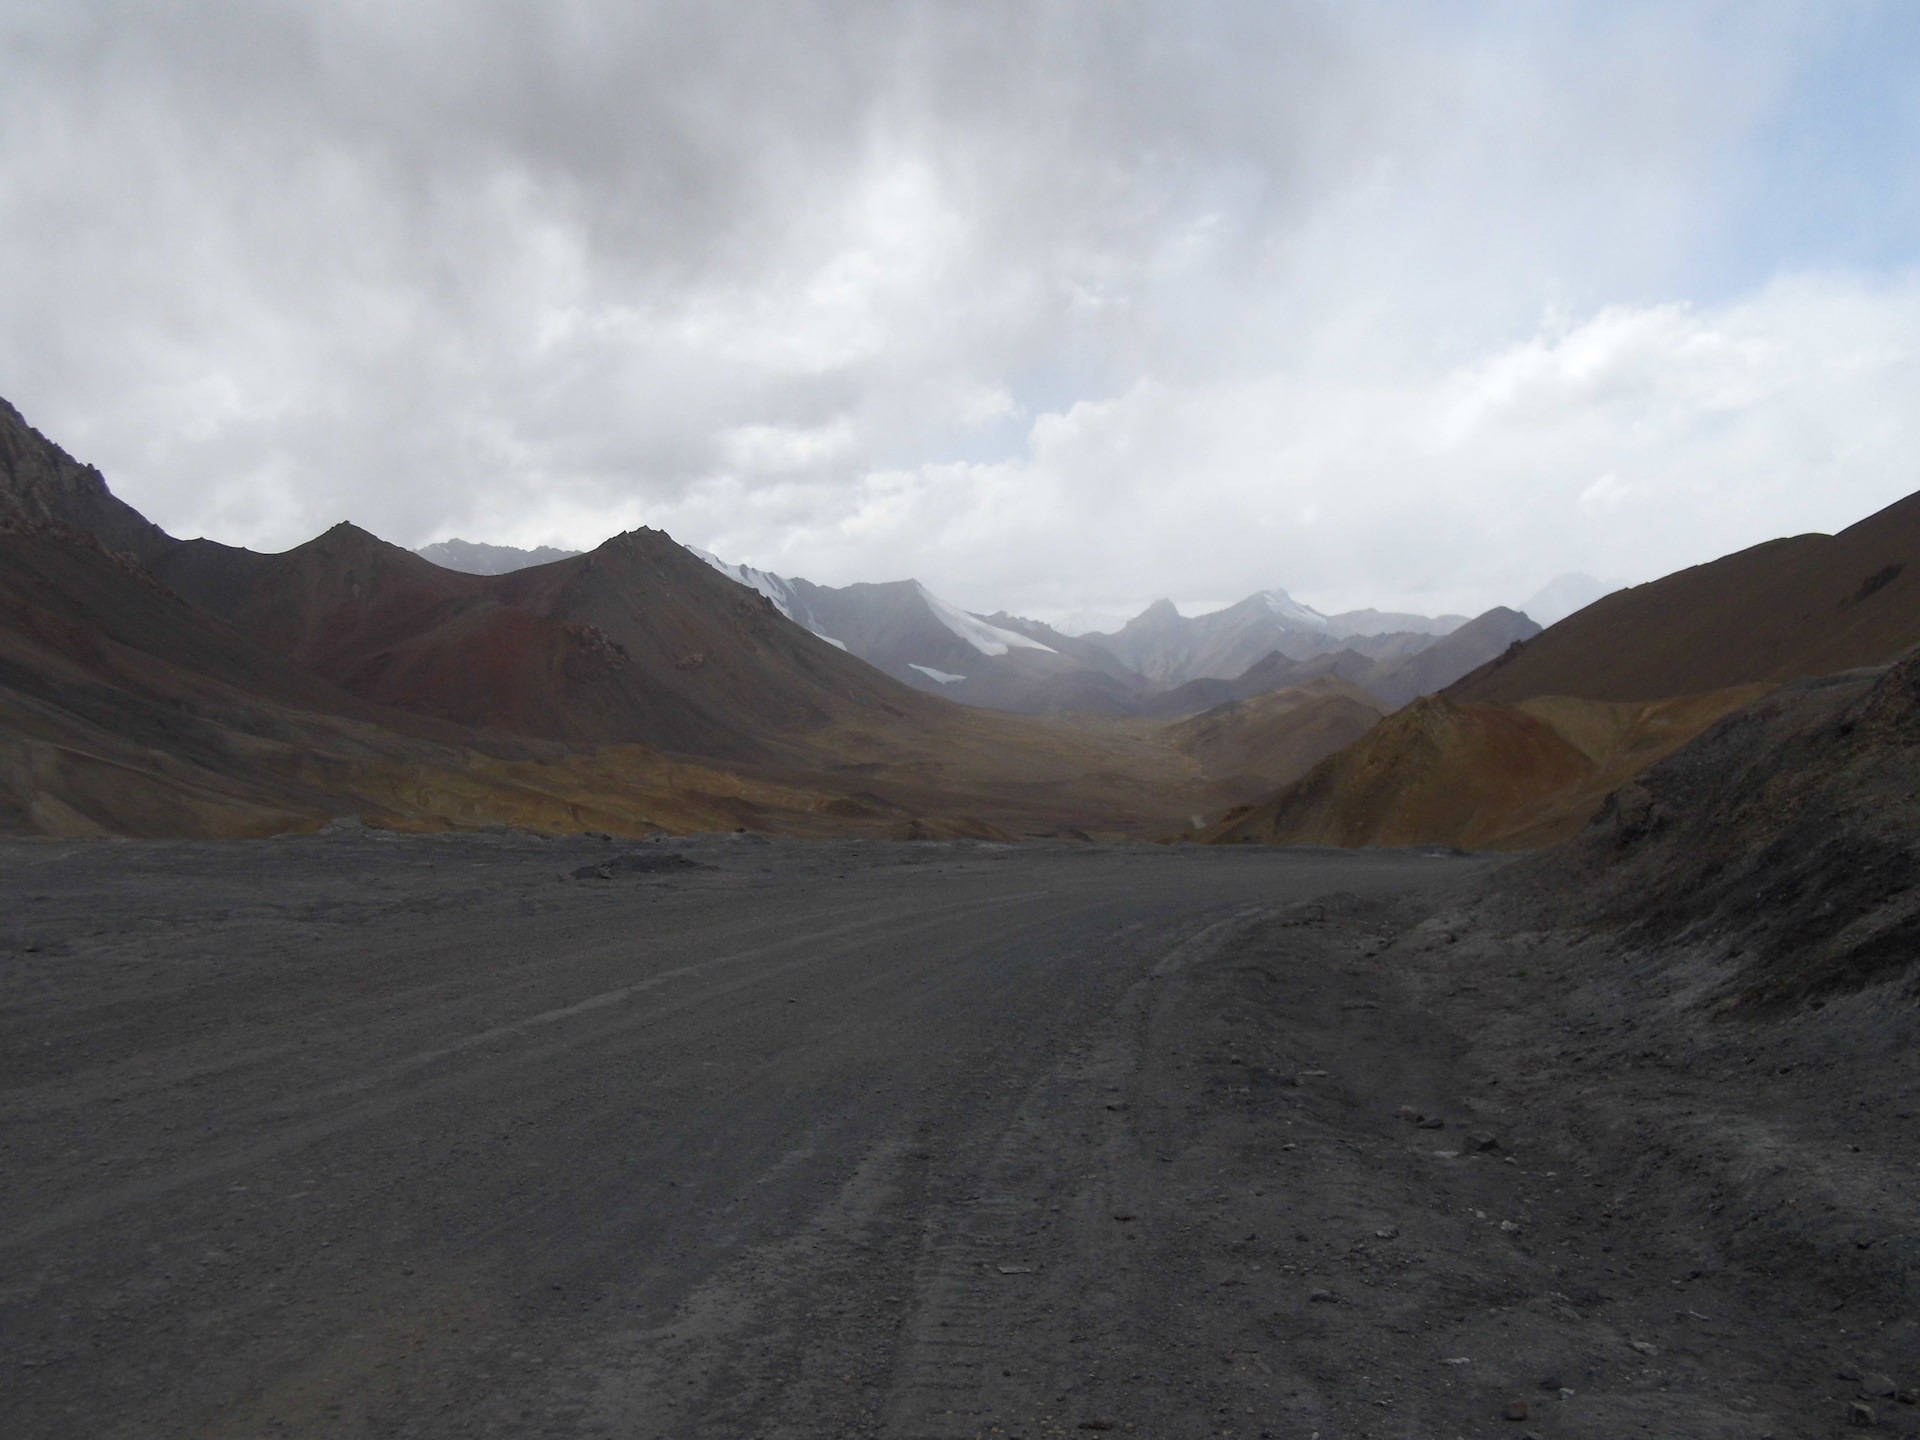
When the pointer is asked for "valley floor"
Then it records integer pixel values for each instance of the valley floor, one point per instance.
(359, 1135)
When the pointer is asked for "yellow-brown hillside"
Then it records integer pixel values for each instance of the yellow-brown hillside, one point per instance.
(1478, 776)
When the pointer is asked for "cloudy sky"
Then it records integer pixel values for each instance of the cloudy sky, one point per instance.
(1057, 306)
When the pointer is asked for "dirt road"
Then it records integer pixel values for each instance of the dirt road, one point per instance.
(359, 1136)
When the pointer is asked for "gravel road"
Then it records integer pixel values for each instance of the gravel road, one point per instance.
(355, 1135)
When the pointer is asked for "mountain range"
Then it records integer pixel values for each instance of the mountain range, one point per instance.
(1160, 663)
(150, 685)
(472, 558)
(157, 686)
(1522, 751)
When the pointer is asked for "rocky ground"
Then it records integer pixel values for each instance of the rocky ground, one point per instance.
(1349, 1172)
(490, 1135)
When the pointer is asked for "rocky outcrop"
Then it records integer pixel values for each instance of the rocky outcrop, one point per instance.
(40, 484)
(1785, 840)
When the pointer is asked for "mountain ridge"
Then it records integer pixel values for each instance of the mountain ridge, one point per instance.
(1787, 608)
(1522, 751)
(477, 558)
(1160, 664)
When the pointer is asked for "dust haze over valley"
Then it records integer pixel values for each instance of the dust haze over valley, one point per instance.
(1174, 721)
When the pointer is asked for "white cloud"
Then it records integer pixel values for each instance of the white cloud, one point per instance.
(1604, 496)
(1634, 442)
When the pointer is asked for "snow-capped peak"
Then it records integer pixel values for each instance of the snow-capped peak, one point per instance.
(1285, 608)
(987, 639)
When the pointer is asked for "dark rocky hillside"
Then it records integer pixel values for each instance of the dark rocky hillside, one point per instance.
(1782, 845)
(40, 484)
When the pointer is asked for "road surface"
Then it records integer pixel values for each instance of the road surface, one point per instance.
(354, 1135)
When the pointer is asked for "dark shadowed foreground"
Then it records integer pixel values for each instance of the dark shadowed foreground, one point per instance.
(352, 1135)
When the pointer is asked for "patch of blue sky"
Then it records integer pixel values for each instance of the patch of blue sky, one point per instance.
(1831, 179)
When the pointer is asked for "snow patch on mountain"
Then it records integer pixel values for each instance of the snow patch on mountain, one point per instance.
(987, 639)
(944, 677)
(1289, 611)
(776, 588)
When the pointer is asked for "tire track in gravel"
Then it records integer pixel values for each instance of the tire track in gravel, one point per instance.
(993, 1279)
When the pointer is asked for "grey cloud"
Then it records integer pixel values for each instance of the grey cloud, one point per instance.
(364, 209)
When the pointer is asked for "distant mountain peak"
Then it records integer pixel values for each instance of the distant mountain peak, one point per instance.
(475, 558)
(1159, 614)
(1284, 607)
(1565, 594)
(1384, 622)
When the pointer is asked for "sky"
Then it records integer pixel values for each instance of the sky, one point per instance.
(1056, 307)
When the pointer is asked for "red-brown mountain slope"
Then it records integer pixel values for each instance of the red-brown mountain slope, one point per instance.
(635, 641)
(105, 614)
(630, 689)
(126, 710)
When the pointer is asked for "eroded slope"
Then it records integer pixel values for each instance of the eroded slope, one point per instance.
(1786, 839)
(1273, 738)
(1476, 776)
